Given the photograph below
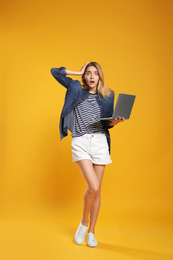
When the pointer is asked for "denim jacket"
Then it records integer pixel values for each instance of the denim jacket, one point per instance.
(74, 95)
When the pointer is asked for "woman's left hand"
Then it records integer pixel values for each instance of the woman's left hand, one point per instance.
(116, 121)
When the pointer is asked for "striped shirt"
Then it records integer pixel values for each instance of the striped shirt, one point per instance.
(86, 117)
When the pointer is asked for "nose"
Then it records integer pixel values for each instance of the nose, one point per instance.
(92, 76)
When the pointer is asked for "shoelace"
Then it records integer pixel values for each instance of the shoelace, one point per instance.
(81, 232)
(92, 238)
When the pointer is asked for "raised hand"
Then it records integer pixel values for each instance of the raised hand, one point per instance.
(83, 67)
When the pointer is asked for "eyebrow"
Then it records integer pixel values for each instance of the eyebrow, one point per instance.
(90, 71)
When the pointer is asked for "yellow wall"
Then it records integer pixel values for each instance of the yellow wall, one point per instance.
(132, 41)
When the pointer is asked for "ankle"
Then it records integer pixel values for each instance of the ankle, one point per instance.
(91, 230)
(84, 222)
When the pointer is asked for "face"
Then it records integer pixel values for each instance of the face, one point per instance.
(92, 78)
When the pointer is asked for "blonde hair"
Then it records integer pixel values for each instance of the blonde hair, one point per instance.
(101, 87)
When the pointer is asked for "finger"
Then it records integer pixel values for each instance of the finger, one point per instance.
(87, 63)
(113, 120)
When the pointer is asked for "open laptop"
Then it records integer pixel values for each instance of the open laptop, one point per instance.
(123, 107)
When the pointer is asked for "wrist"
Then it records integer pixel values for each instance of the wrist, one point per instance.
(76, 73)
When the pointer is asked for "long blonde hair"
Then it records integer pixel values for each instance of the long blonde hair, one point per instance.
(101, 87)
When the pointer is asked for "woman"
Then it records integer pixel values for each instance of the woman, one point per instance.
(84, 104)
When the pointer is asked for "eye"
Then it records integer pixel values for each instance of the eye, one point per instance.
(96, 73)
(88, 73)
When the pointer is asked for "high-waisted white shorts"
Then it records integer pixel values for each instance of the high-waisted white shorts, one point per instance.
(91, 146)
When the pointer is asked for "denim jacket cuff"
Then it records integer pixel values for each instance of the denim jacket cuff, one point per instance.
(63, 71)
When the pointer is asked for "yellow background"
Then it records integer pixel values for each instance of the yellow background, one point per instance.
(41, 188)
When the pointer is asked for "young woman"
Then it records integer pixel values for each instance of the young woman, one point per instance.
(84, 104)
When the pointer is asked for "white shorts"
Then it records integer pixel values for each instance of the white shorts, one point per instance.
(91, 146)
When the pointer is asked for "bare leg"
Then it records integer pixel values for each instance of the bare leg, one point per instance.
(99, 170)
(87, 169)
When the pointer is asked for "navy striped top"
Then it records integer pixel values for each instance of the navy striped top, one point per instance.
(86, 116)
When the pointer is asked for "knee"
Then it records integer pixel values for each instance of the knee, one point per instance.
(94, 190)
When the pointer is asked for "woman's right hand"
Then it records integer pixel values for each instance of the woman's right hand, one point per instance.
(77, 73)
(83, 67)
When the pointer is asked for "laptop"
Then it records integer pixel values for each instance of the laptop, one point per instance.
(123, 107)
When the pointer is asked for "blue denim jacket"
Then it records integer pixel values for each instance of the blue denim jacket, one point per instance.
(74, 95)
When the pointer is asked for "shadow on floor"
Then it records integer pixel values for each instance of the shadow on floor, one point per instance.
(132, 252)
(136, 253)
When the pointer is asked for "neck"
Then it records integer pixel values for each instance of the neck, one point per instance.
(93, 91)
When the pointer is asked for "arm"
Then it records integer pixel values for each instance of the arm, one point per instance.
(77, 73)
(60, 74)
(70, 72)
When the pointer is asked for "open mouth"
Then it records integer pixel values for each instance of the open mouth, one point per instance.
(92, 82)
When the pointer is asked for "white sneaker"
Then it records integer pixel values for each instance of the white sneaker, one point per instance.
(91, 240)
(80, 234)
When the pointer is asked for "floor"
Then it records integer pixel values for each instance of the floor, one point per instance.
(50, 235)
